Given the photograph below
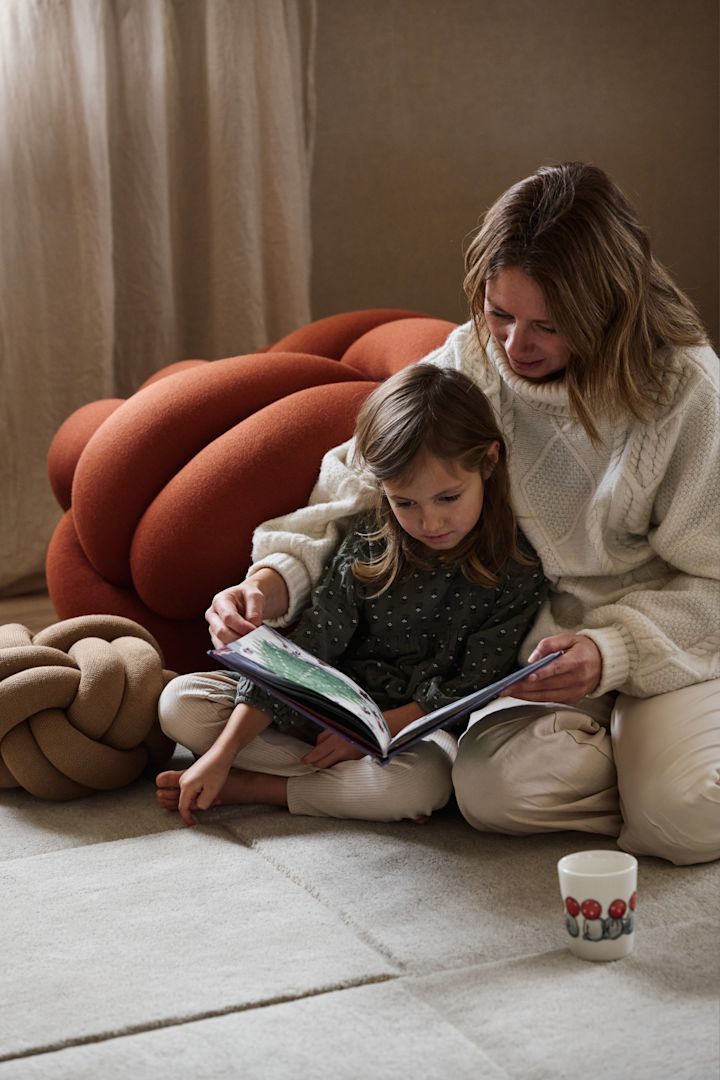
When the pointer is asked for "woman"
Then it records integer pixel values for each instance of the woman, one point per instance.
(606, 392)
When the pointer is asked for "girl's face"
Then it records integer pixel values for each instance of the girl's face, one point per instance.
(439, 502)
(517, 318)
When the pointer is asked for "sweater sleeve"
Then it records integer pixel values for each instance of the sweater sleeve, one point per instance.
(297, 545)
(667, 635)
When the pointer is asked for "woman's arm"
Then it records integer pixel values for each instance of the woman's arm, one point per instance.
(569, 679)
(236, 611)
(659, 630)
(665, 634)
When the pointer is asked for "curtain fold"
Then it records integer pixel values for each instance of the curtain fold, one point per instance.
(154, 205)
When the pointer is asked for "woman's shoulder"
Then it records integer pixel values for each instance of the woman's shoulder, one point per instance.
(692, 369)
(462, 351)
(703, 361)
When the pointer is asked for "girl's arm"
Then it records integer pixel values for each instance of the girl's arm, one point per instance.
(331, 748)
(403, 715)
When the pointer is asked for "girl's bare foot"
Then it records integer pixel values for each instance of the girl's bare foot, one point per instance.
(241, 787)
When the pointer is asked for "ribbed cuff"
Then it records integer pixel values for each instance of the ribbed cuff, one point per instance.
(297, 581)
(615, 653)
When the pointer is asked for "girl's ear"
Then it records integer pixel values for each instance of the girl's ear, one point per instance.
(491, 459)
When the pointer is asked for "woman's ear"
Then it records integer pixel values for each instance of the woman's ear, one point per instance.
(491, 459)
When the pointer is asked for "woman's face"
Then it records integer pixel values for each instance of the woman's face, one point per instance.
(517, 318)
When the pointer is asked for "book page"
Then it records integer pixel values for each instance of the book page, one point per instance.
(294, 664)
(464, 706)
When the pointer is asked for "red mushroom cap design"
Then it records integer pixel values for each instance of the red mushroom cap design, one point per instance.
(591, 909)
(617, 909)
(571, 906)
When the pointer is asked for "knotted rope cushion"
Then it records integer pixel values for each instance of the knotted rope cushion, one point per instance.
(78, 706)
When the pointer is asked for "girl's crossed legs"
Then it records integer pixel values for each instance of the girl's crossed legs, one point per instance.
(194, 710)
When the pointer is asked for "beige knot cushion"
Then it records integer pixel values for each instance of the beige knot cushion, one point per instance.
(78, 706)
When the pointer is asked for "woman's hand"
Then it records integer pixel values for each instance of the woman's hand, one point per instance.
(569, 678)
(201, 784)
(329, 749)
(236, 611)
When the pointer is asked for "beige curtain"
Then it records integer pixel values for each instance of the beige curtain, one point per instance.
(154, 205)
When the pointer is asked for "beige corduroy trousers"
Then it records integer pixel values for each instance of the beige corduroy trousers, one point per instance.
(646, 770)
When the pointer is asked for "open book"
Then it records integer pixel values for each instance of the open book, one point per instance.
(319, 691)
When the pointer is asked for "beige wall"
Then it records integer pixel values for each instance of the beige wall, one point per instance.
(428, 109)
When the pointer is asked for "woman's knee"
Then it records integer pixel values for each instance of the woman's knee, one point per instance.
(484, 791)
(673, 817)
(537, 772)
(666, 751)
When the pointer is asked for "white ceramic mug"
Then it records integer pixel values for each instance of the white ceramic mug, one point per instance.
(599, 892)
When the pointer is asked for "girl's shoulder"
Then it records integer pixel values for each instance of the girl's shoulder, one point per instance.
(358, 542)
(529, 572)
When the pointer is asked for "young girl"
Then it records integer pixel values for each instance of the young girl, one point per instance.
(425, 600)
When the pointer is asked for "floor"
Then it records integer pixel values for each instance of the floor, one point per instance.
(259, 945)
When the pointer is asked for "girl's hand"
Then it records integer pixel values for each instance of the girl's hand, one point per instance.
(329, 749)
(201, 784)
(569, 678)
(236, 611)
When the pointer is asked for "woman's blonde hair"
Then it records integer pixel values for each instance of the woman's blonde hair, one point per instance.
(571, 229)
(428, 410)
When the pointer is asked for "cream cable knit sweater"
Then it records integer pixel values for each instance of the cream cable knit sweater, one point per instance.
(628, 534)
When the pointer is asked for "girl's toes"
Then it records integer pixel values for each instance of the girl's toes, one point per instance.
(169, 779)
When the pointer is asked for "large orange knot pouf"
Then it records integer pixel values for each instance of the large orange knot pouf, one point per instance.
(162, 492)
(78, 706)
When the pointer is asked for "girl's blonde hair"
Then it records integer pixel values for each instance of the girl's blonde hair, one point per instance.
(572, 230)
(428, 410)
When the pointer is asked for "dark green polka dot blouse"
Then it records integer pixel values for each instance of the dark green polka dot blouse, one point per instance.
(432, 637)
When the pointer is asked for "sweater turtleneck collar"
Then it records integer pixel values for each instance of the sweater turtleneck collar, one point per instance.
(548, 396)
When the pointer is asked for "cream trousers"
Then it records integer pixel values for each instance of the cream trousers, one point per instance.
(195, 708)
(646, 770)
